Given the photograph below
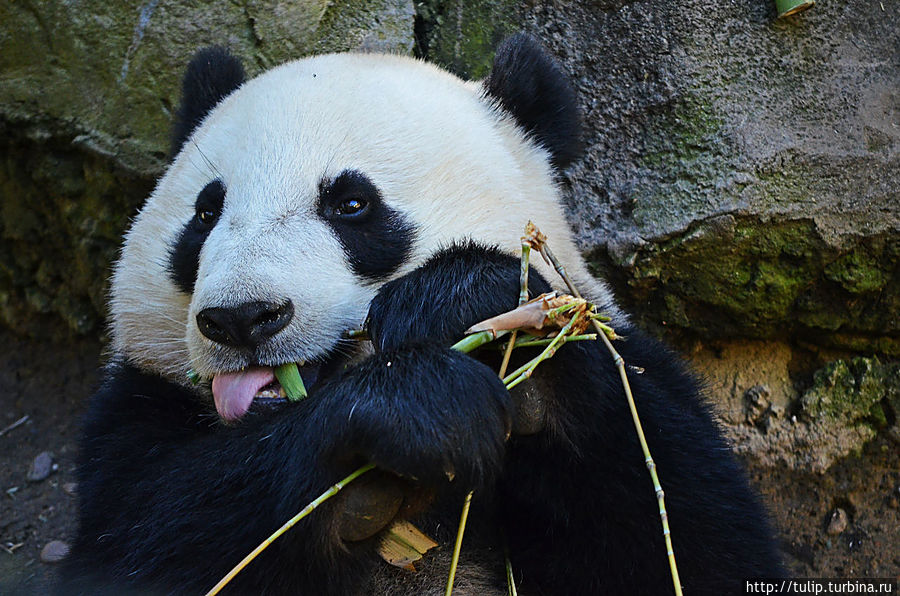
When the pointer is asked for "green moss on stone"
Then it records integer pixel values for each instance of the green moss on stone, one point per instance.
(848, 391)
(685, 134)
(858, 272)
(732, 275)
(62, 213)
(462, 36)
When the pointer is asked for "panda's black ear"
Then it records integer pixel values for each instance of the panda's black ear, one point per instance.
(532, 87)
(211, 75)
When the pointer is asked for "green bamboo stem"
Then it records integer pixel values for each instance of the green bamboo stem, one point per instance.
(510, 579)
(476, 340)
(525, 342)
(507, 352)
(335, 489)
(291, 381)
(524, 371)
(358, 334)
(523, 298)
(648, 460)
(523, 273)
(458, 544)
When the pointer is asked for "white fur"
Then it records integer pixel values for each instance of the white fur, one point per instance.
(454, 164)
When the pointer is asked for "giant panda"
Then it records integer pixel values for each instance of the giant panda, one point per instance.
(346, 188)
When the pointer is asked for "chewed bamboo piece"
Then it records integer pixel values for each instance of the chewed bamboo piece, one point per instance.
(540, 244)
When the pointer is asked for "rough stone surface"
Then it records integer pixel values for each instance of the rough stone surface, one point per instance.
(849, 390)
(844, 408)
(87, 93)
(461, 35)
(743, 375)
(838, 522)
(742, 173)
(54, 551)
(41, 467)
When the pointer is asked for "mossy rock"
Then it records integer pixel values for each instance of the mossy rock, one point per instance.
(850, 391)
(462, 36)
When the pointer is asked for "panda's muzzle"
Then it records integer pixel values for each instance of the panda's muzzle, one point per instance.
(246, 325)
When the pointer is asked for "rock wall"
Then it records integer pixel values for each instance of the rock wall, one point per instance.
(740, 188)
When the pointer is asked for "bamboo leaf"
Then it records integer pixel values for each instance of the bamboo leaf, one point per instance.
(402, 544)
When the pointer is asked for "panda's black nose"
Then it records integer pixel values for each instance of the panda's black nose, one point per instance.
(246, 325)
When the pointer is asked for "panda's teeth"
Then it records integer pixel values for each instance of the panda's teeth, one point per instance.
(272, 390)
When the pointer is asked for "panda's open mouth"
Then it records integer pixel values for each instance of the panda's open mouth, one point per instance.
(234, 393)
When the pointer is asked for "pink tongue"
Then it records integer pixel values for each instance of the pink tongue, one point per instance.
(234, 392)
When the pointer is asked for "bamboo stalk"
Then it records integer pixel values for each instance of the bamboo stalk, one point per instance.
(510, 579)
(524, 372)
(525, 342)
(335, 489)
(648, 459)
(476, 340)
(523, 298)
(458, 544)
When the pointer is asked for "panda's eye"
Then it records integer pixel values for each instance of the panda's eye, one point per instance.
(351, 207)
(349, 199)
(208, 206)
(206, 216)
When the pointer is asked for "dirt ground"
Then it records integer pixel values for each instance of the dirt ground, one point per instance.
(50, 383)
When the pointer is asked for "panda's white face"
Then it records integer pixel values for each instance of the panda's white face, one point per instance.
(305, 190)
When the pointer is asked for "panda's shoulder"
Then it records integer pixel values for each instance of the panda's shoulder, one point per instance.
(128, 396)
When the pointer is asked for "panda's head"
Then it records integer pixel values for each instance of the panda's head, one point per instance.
(295, 195)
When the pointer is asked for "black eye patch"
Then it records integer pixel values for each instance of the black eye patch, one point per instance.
(184, 256)
(375, 238)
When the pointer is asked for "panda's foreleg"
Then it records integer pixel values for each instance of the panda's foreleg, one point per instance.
(423, 411)
(171, 499)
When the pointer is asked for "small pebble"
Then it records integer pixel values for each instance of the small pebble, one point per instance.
(54, 551)
(41, 467)
(839, 522)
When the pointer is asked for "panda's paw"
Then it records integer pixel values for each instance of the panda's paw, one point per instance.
(425, 412)
(458, 287)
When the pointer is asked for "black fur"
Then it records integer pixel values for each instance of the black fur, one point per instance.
(376, 239)
(184, 256)
(532, 87)
(447, 280)
(170, 499)
(211, 75)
